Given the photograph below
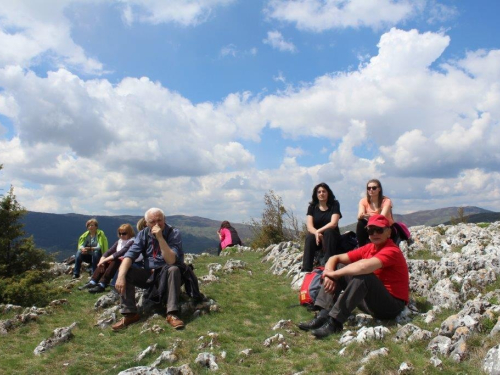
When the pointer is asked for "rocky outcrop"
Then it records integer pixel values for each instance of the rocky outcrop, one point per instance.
(449, 266)
(59, 336)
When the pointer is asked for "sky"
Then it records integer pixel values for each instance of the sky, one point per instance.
(200, 107)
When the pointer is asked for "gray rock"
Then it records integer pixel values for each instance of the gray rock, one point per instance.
(405, 368)
(107, 300)
(214, 267)
(496, 328)
(374, 354)
(246, 352)
(59, 336)
(276, 338)
(145, 352)
(233, 264)
(491, 363)
(436, 362)
(145, 370)
(283, 324)
(166, 356)
(440, 345)
(459, 350)
(207, 360)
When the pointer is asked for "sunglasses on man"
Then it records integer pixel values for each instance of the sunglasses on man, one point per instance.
(373, 230)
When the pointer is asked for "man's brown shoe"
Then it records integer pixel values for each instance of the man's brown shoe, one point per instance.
(125, 321)
(174, 321)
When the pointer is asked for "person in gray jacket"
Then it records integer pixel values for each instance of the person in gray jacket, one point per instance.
(161, 246)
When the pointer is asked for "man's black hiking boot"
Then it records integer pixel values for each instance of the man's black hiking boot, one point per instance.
(314, 323)
(331, 326)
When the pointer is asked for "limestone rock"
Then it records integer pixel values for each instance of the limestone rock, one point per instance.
(145, 370)
(491, 363)
(405, 368)
(107, 300)
(232, 265)
(246, 352)
(59, 336)
(283, 324)
(207, 360)
(166, 356)
(276, 338)
(145, 352)
(440, 345)
(374, 354)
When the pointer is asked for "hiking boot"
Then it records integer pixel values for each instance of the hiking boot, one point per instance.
(331, 326)
(97, 289)
(86, 286)
(314, 323)
(125, 321)
(174, 321)
(76, 277)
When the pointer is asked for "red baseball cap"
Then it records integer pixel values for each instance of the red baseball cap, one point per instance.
(378, 221)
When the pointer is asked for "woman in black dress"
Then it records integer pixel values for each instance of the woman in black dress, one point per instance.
(323, 217)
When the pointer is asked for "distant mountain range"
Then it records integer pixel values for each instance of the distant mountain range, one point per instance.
(58, 233)
(440, 216)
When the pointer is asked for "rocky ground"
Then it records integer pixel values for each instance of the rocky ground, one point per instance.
(461, 261)
(452, 268)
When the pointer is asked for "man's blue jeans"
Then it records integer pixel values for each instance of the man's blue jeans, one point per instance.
(92, 258)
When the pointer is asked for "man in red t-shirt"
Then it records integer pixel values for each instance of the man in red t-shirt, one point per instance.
(375, 279)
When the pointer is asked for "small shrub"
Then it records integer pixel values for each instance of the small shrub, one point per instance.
(483, 225)
(422, 304)
(441, 230)
(28, 289)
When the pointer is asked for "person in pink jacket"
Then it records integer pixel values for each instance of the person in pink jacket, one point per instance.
(227, 236)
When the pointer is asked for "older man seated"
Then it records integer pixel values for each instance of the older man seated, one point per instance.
(161, 246)
(375, 279)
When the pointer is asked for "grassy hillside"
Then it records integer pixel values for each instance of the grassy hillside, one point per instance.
(58, 233)
(251, 304)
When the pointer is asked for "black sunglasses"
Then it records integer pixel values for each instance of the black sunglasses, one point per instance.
(378, 230)
(122, 233)
(371, 187)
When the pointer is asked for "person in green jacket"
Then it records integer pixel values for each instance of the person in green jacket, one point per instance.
(91, 245)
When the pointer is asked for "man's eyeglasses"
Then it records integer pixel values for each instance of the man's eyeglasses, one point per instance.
(373, 230)
(122, 233)
(371, 187)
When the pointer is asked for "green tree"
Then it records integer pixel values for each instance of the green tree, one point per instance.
(276, 223)
(18, 253)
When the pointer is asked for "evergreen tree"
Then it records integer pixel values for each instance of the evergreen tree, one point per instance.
(18, 253)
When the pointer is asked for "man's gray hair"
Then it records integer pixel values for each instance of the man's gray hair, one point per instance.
(152, 211)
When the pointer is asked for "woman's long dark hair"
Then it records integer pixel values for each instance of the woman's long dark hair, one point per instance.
(380, 192)
(331, 196)
(225, 224)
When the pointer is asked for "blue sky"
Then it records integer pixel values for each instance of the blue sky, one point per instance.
(201, 106)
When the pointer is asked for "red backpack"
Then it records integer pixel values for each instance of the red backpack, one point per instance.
(311, 286)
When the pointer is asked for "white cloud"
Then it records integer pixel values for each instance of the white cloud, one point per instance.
(294, 151)
(232, 51)
(29, 28)
(183, 12)
(320, 15)
(97, 147)
(275, 39)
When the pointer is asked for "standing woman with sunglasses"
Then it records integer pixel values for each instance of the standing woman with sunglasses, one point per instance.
(375, 203)
(110, 261)
(323, 215)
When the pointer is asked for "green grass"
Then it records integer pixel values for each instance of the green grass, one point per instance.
(424, 254)
(250, 305)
